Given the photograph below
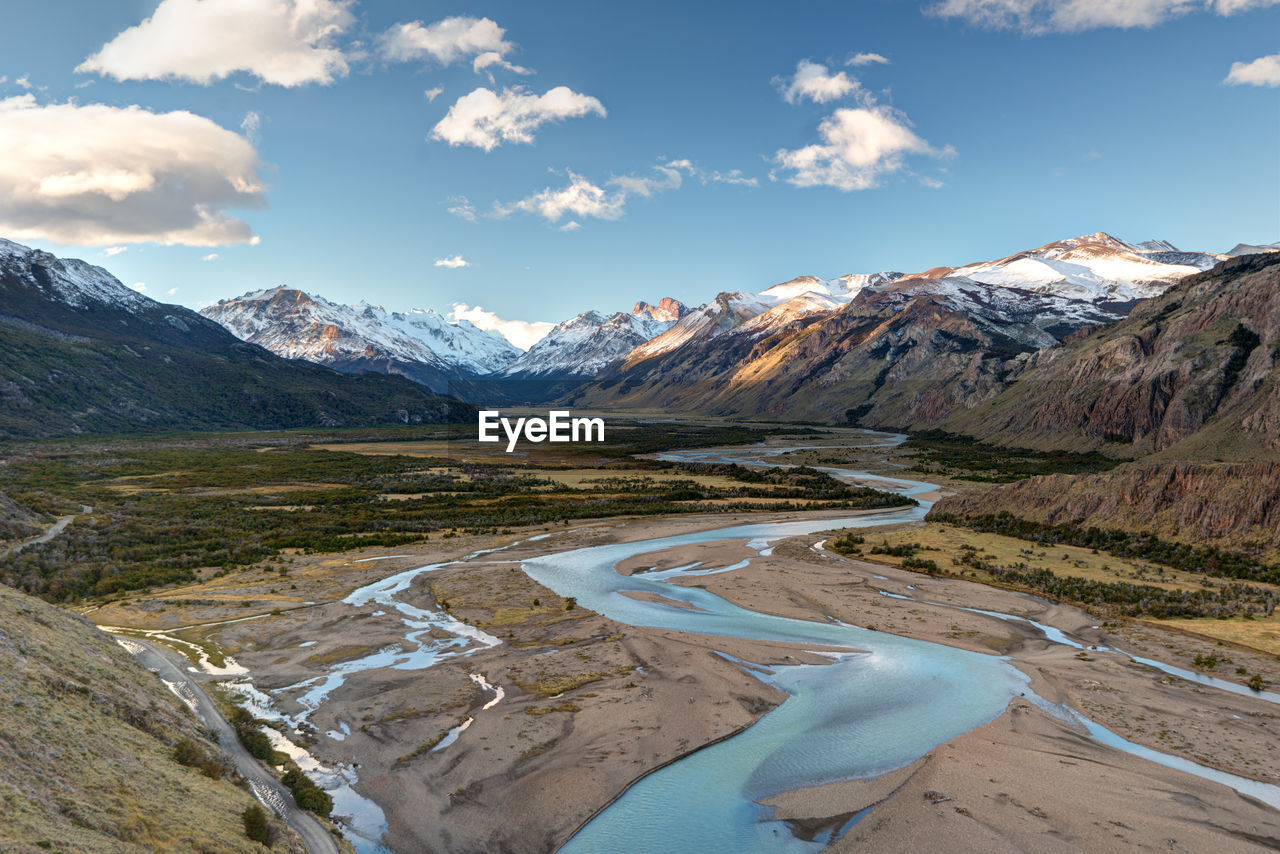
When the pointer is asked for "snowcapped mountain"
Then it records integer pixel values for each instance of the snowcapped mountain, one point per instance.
(419, 344)
(1094, 267)
(70, 281)
(720, 315)
(82, 353)
(585, 345)
(1034, 297)
(1252, 249)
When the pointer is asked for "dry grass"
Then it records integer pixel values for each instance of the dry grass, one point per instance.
(1263, 635)
(944, 542)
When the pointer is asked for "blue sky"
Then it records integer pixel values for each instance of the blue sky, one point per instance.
(622, 152)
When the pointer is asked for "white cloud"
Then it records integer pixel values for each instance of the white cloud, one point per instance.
(250, 124)
(580, 198)
(859, 148)
(115, 250)
(24, 81)
(285, 42)
(493, 58)
(453, 262)
(813, 81)
(1036, 17)
(171, 291)
(733, 176)
(140, 287)
(583, 198)
(462, 208)
(486, 119)
(522, 333)
(445, 42)
(433, 93)
(212, 256)
(860, 59)
(1263, 71)
(97, 175)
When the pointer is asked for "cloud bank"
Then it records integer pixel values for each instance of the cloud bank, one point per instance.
(97, 175)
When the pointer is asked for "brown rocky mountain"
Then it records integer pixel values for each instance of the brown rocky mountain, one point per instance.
(1230, 505)
(1191, 374)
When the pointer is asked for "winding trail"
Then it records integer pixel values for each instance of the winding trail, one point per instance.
(170, 667)
(54, 530)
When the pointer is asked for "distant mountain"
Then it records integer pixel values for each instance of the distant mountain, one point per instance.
(82, 353)
(888, 349)
(419, 344)
(1094, 267)
(585, 345)
(1251, 249)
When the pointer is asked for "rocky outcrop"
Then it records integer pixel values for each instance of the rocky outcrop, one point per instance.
(667, 310)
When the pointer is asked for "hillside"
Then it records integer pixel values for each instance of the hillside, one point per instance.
(87, 741)
(82, 353)
(1234, 506)
(1189, 384)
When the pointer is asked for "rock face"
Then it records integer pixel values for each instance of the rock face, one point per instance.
(1231, 505)
(1191, 374)
(1191, 379)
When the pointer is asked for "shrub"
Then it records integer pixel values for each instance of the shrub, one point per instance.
(255, 824)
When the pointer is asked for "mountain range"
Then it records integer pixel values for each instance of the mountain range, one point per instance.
(1024, 301)
(885, 349)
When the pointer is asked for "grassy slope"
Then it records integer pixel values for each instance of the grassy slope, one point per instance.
(86, 747)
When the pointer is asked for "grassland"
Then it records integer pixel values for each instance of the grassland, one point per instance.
(1107, 584)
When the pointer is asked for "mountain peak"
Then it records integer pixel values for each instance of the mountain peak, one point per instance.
(668, 309)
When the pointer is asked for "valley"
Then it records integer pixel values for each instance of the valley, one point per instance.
(443, 697)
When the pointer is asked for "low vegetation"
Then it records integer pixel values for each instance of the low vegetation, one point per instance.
(1123, 581)
(183, 508)
(1146, 546)
(961, 458)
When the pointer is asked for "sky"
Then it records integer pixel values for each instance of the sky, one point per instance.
(517, 163)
